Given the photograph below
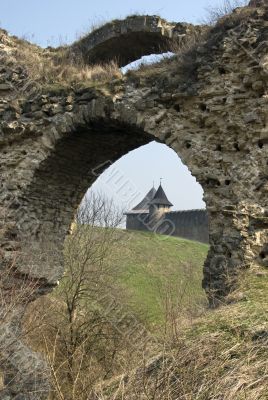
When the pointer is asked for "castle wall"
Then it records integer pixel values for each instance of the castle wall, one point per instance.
(192, 224)
(135, 222)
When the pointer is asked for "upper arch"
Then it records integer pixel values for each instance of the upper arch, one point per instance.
(129, 39)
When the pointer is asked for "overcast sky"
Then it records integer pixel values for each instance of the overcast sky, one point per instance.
(55, 22)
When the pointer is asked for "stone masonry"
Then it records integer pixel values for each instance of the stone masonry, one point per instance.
(210, 105)
(128, 40)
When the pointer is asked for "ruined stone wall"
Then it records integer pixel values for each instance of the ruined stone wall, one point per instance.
(209, 105)
(128, 40)
(214, 117)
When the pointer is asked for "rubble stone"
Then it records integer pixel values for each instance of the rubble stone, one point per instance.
(55, 145)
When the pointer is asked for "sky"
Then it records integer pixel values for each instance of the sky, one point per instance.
(58, 22)
(54, 22)
(129, 179)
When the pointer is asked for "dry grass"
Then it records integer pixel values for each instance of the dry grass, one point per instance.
(183, 62)
(222, 356)
(54, 66)
(58, 67)
(62, 66)
(219, 355)
(110, 333)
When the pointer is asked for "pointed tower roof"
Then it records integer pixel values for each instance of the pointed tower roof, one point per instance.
(160, 198)
(143, 206)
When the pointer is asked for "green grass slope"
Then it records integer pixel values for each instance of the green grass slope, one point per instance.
(159, 274)
(221, 355)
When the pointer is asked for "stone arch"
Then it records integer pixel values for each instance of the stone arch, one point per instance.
(74, 152)
(60, 167)
(211, 111)
(128, 40)
(61, 180)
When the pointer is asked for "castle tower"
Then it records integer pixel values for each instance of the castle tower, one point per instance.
(158, 206)
(137, 217)
(153, 214)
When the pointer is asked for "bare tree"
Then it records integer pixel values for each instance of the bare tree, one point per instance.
(215, 13)
(79, 341)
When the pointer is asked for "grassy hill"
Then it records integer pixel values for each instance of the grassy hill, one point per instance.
(216, 354)
(159, 272)
(222, 355)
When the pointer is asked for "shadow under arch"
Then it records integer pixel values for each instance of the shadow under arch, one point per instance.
(61, 181)
(72, 167)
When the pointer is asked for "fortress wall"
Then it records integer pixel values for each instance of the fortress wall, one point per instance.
(192, 224)
(135, 222)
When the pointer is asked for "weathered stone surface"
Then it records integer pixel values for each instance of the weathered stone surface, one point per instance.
(127, 40)
(210, 108)
(4, 87)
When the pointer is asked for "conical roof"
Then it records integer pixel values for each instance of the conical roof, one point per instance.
(160, 198)
(144, 205)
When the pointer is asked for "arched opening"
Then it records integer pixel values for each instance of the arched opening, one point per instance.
(131, 183)
(129, 179)
(72, 167)
(129, 39)
(145, 282)
(75, 163)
